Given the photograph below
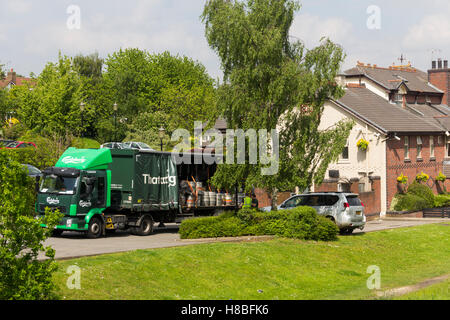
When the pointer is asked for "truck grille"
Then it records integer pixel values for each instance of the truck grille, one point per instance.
(43, 206)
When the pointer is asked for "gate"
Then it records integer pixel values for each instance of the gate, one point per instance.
(437, 213)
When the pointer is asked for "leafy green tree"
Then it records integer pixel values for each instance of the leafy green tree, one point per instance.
(89, 66)
(272, 83)
(176, 90)
(22, 275)
(53, 104)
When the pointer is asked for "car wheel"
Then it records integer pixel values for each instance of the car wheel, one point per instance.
(346, 231)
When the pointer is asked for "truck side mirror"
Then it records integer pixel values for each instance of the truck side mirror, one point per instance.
(36, 184)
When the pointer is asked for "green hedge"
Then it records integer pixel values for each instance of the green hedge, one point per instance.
(299, 223)
(410, 202)
(441, 200)
(422, 191)
(419, 197)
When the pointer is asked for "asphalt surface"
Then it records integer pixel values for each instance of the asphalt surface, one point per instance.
(73, 245)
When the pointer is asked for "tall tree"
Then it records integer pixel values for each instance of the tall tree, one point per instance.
(272, 83)
(154, 90)
(53, 106)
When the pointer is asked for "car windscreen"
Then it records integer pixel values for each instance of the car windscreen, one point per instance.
(353, 201)
(58, 184)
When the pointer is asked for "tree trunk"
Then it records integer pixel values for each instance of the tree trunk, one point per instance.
(274, 198)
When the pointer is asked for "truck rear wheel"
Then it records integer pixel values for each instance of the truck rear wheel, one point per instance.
(95, 229)
(146, 227)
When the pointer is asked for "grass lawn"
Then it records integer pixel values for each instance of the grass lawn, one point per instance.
(277, 269)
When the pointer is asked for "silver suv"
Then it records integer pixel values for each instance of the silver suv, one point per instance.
(344, 209)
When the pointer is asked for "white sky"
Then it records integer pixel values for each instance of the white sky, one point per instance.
(33, 32)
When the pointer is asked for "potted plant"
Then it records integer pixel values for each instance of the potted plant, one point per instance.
(440, 183)
(402, 181)
(422, 177)
(362, 144)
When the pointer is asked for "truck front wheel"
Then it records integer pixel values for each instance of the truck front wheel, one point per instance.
(95, 228)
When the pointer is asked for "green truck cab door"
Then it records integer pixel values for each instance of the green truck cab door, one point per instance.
(93, 191)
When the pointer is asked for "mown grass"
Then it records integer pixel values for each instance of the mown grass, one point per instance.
(277, 269)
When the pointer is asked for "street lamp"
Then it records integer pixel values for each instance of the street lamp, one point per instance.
(162, 133)
(82, 107)
(115, 108)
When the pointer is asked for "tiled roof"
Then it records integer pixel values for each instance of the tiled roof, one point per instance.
(391, 78)
(20, 81)
(386, 116)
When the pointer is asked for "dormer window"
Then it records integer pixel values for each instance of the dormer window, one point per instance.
(397, 98)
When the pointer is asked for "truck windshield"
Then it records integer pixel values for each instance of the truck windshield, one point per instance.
(58, 184)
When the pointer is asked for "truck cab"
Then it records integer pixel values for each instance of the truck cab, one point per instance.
(78, 186)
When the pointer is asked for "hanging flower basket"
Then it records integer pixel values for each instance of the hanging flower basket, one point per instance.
(362, 144)
(422, 177)
(440, 183)
(402, 180)
(441, 177)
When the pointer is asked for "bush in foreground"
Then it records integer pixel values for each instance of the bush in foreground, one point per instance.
(22, 275)
(299, 223)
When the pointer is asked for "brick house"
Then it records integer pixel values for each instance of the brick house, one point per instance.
(404, 115)
(13, 80)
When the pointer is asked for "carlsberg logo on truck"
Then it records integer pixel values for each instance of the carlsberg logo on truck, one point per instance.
(73, 160)
(170, 180)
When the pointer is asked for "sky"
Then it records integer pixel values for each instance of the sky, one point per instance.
(32, 33)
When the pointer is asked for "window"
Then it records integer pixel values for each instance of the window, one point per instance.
(447, 147)
(431, 147)
(419, 147)
(353, 201)
(344, 155)
(406, 147)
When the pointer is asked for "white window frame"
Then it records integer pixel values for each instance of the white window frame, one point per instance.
(341, 158)
(419, 147)
(432, 153)
(406, 147)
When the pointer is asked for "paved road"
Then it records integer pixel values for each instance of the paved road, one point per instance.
(71, 245)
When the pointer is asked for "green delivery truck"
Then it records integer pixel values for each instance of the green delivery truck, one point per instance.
(100, 190)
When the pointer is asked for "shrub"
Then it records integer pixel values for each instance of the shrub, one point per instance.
(85, 143)
(299, 223)
(442, 200)
(211, 227)
(423, 192)
(410, 202)
(22, 275)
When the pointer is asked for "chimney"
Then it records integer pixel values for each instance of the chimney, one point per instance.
(440, 78)
(12, 76)
(433, 64)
